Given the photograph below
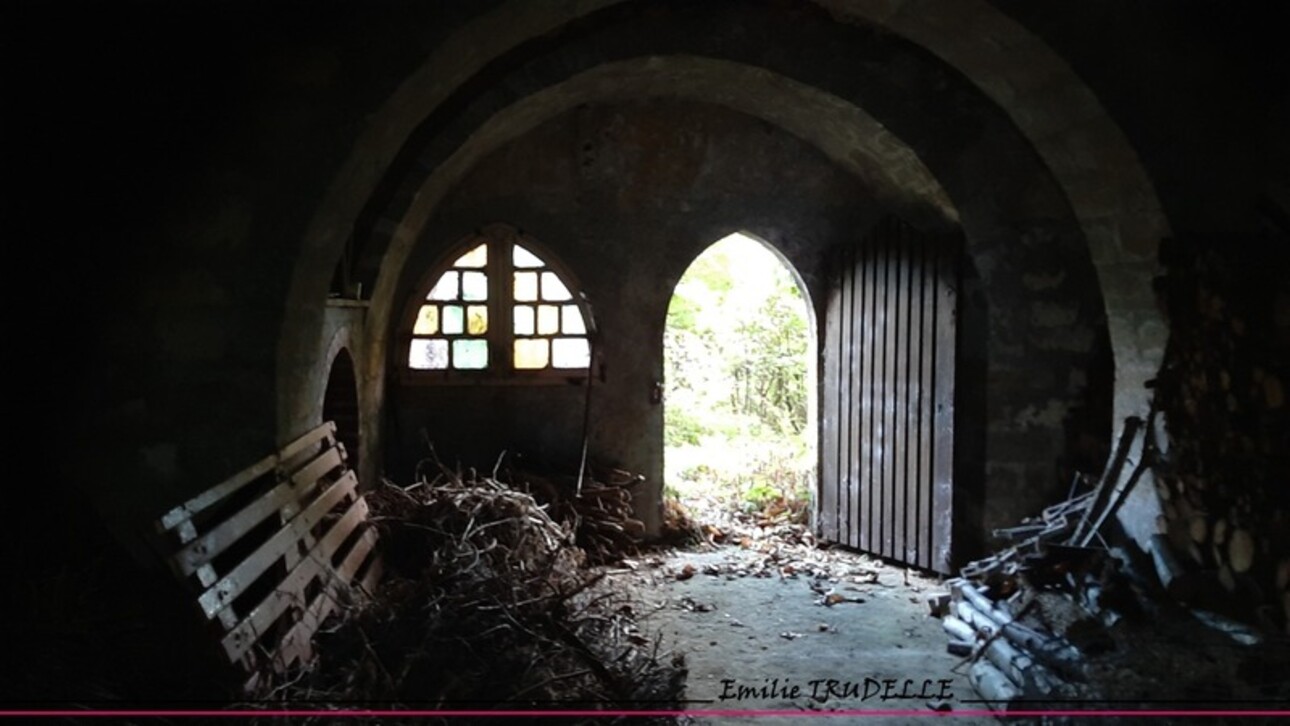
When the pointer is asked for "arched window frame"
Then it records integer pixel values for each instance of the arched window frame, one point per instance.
(500, 302)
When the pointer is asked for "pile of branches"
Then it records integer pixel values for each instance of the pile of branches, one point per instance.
(596, 507)
(1060, 614)
(486, 604)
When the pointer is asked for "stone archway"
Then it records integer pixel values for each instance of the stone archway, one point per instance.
(1096, 170)
(1108, 190)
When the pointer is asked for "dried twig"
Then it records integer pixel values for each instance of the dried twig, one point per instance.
(487, 590)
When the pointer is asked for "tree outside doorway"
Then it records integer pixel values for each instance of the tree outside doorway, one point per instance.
(738, 422)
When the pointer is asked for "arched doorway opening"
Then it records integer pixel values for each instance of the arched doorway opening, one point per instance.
(740, 411)
(340, 404)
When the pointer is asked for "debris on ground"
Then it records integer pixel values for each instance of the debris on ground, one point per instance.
(1058, 615)
(488, 601)
(773, 542)
(690, 605)
(678, 528)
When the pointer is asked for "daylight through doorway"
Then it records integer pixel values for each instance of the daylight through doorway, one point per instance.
(739, 417)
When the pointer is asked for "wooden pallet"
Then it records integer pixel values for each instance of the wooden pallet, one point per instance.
(275, 549)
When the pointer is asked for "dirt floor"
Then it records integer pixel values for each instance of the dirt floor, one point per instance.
(839, 632)
(775, 628)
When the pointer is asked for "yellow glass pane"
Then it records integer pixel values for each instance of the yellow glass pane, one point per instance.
(572, 324)
(445, 288)
(524, 320)
(530, 353)
(477, 319)
(521, 257)
(553, 289)
(427, 321)
(548, 320)
(477, 257)
(526, 286)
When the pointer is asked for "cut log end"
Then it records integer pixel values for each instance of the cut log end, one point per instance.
(1240, 551)
(1226, 578)
(1199, 529)
(1220, 531)
(992, 684)
(1283, 574)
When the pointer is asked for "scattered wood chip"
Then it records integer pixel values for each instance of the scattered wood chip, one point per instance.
(689, 604)
(938, 604)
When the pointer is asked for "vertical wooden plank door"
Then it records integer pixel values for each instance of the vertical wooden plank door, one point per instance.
(887, 414)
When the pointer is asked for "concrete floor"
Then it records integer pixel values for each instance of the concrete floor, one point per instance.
(769, 634)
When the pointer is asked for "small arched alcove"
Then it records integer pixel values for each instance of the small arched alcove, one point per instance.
(340, 404)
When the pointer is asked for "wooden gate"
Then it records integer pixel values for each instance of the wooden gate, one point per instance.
(887, 438)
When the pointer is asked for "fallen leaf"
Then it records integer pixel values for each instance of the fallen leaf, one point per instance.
(689, 604)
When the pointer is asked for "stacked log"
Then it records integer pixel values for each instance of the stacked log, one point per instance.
(983, 611)
(1010, 661)
(1224, 485)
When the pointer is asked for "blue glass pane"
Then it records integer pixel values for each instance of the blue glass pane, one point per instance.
(469, 354)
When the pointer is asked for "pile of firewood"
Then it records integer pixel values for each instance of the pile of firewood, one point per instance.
(1217, 446)
(1000, 612)
(1028, 616)
(1033, 618)
(1224, 486)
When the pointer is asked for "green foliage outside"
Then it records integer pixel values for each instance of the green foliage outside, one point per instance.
(736, 348)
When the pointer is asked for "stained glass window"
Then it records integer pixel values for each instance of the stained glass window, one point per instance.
(499, 296)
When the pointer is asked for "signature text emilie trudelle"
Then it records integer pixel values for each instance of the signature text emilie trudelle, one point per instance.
(826, 689)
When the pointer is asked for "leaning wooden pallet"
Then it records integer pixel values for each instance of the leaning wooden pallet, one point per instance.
(275, 549)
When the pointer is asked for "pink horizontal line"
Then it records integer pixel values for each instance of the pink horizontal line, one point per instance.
(358, 713)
